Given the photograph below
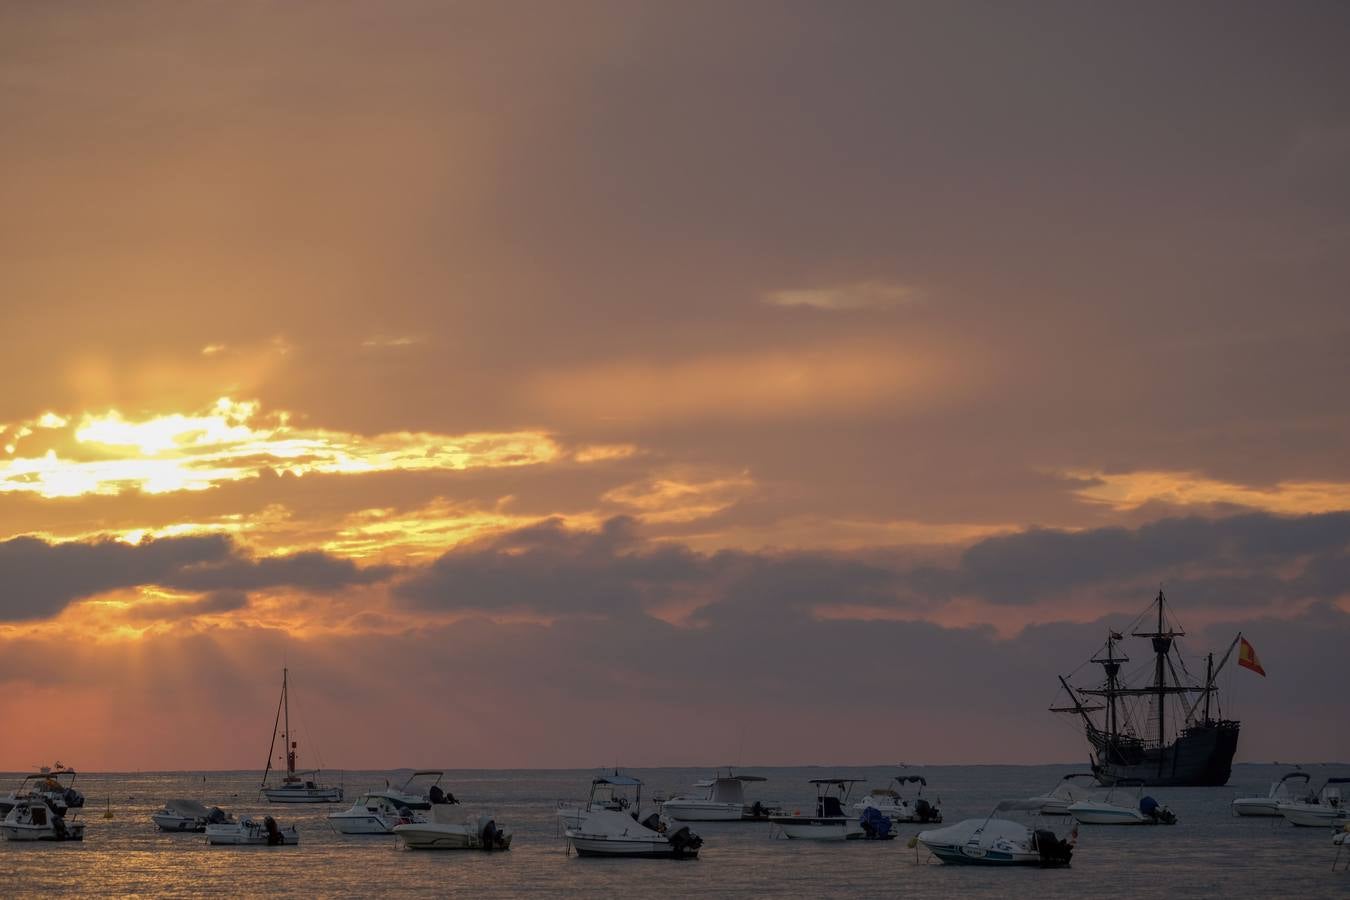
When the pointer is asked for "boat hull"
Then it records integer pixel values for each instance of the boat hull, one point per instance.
(431, 836)
(1202, 756)
(303, 795)
(178, 824)
(1312, 815)
(1256, 806)
(813, 828)
(1107, 815)
(703, 811)
(591, 845)
(962, 855)
(361, 824)
(234, 836)
(41, 833)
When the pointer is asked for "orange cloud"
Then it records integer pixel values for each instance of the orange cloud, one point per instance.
(1125, 491)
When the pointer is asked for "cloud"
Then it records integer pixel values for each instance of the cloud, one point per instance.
(110, 454)
(43, 578)
(172, 610)
(856, 296)
(1127, 491)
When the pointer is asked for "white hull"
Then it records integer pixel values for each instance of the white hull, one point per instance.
(178, 823)
(252, 835)
(809, 829)
(303, 795)
(1107, 814)
(432, 836)
(635, 848)
(1311, 815)
(986, 842)
(40, 833)
(702, 811)
(367, 824)
(1256, 806)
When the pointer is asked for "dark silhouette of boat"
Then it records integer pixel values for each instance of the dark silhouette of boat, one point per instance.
(1155, 724)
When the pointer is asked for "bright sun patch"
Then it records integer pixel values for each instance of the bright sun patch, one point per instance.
(232, 441)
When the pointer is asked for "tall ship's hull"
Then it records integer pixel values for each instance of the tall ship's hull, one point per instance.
(1202, 756)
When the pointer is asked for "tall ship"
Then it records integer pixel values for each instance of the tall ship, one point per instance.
(1157, 722)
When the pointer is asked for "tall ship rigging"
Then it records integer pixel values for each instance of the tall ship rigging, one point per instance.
(1158, 723)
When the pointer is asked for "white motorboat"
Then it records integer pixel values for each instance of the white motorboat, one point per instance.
(1071, 789)
(189, 815)
(891, 803)
(1145, 811)
(263, 832)
(295, 787)
(34, 819)
(438, 831)
(830, 822)
(421, 790)
(1292, 788)
(54, 784)
(721, 799)
(999, 842)
(373, 814)
(1328, 810)
(607, 825)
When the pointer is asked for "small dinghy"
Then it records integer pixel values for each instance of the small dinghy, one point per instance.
(608, 825)
(253, 832)
(1146, 810)
(189, 816)
(891, 802)
(831, 822)
(440, 832)
(1292, 788)
(1328, 810)
(999, 842)
(34, 819)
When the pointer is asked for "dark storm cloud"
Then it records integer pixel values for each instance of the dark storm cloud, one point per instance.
(41, 579)
(1238, 561)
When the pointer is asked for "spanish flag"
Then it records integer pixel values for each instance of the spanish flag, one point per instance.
(1247, 658)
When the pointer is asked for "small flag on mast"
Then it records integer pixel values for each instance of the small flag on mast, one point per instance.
(1247, 657)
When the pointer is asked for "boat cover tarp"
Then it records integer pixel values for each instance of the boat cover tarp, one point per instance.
(184, 807)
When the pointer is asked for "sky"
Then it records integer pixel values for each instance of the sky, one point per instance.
(551, 385)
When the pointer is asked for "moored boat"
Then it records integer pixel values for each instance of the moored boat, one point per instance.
(1169, 730)
(1145, 811)
(1328, 810)
(999, 842)
(372, 813)
(608, 825)
(187, 815)
(1071, 788)
(721, 799)
(34, 819)
(1292, 788)
(54, 784)
(891, 802)
(439, 831)
(830, 821)
(296, 786)
(264, 832)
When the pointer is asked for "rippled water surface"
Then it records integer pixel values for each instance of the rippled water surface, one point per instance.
(1209, 852)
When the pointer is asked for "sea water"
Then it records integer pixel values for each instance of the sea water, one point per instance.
(1208, 853)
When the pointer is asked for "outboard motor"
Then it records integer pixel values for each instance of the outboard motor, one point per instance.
(875, 825)
(438, 796)
(491, 835)
(274, 835)
(1053, 851)
(1159, 814)
(215, 816)
(685, 843)
(72, 798)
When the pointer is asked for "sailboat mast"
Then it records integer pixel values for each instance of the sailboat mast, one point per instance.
(1209, 683)
(290, 747)
(1160, 646)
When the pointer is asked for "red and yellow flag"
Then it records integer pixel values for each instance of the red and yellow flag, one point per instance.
(1247, 658)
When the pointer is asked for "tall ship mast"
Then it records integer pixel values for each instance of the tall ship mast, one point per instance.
(1157, 723)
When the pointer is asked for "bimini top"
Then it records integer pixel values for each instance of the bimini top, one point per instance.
(834, 781)
(619, 780)
(1296, 776)
(901, 779)
(741, 778)
(1074, 775)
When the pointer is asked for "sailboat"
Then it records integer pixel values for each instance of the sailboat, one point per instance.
(296, 787)
(1132, 740)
